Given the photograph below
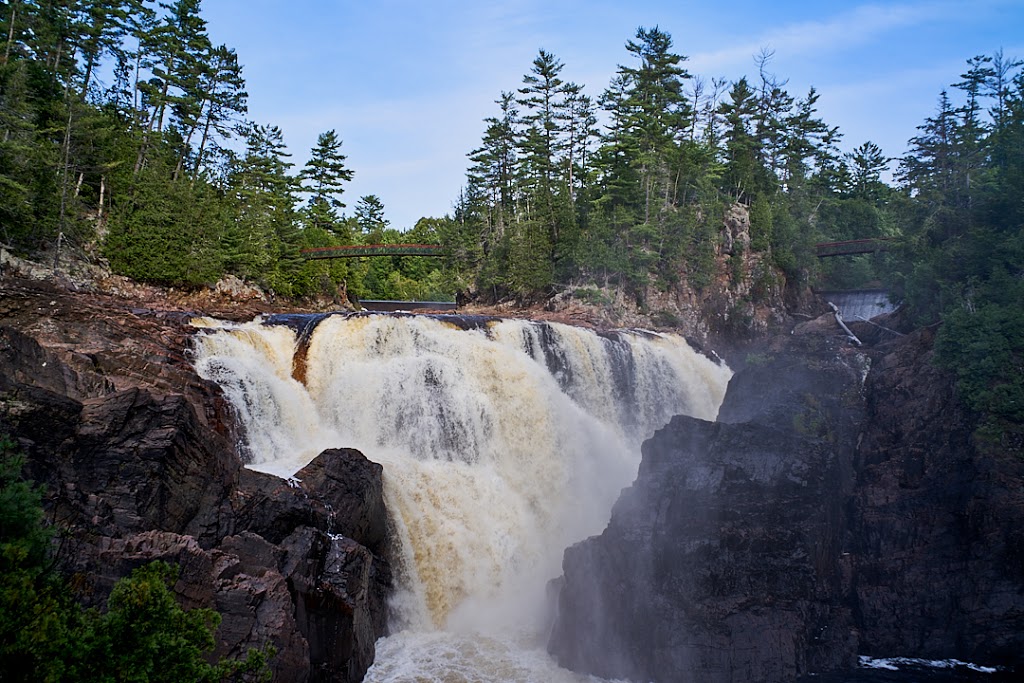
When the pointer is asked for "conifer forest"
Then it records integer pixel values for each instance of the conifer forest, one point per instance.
(124, 136)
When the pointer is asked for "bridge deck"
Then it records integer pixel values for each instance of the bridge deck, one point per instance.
(355, 250)
(851, 247)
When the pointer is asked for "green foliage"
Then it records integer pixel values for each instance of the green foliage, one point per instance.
(35, 620)
(761, 223)
(700, 262)
(962, 256)
(592, 296)
(323, 178)
(637, 210)
(737, 263)
(23, 539)
(168, 233)
(144, 635)
(985, 348)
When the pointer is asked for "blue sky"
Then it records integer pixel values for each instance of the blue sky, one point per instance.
(407, 84)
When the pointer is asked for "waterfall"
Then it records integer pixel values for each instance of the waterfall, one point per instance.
(502, 442)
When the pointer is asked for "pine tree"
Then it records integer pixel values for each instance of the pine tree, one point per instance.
(180, 47)
(105, 24)
(223, 100)
(772, 121)
(809, 147)
(743, 176)
(544, 108)
(323, 179)
(495, 166)
(264, 231)
(867, 163)
(545, 180)
(930, 168)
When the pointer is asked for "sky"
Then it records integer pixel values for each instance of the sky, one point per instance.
(407, 83)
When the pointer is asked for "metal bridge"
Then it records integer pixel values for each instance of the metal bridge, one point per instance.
(355, 250)
(850, 247)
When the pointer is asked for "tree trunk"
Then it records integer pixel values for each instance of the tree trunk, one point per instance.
(163, 103)
(88, 74)
(103, 188)
(10, 32)
(202, 145)
(56, 61)
(65, 158)
(144, 147)
(187, 142)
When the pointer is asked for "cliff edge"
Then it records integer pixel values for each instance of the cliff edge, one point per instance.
(841, 506)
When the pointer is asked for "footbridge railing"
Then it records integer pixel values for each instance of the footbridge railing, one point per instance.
(355, 250)
(851, 247)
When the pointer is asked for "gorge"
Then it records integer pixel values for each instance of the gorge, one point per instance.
(841, 506)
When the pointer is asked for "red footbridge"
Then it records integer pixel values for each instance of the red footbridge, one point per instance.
(851, 247)
(356, 250)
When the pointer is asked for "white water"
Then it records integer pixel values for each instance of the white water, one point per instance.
(492, 464)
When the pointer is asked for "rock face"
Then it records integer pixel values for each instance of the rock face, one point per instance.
(723, 561)
(830, 512)
(937, 521)
(136, 453)
(737, 294)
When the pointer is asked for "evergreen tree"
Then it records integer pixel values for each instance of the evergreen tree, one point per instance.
(370, 218)
(867, 163)
(264, 239)
(962, 183)
(659, 113)
(545, 110)
(743, 174)
(179, 46)
(930, 168)
(144, 635)
(323, 179)
(223, 101)
(105, 25)
(494, 170)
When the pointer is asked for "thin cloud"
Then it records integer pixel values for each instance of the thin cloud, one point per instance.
(843, 31)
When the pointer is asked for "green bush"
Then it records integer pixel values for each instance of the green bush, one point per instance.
(592, 296)
(144, 635)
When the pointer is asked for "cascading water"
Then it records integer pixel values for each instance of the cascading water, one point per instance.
(502, 441)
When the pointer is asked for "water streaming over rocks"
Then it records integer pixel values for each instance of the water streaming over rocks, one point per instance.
(502, 441)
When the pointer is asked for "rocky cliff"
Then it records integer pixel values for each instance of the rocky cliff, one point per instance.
(834, 510)
(138, 458)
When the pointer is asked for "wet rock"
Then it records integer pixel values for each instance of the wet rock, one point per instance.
(137, 457)
(937, 520)
(723, 561)
(352, 490)
(339, 593)
(339, 492)
(843, 504)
